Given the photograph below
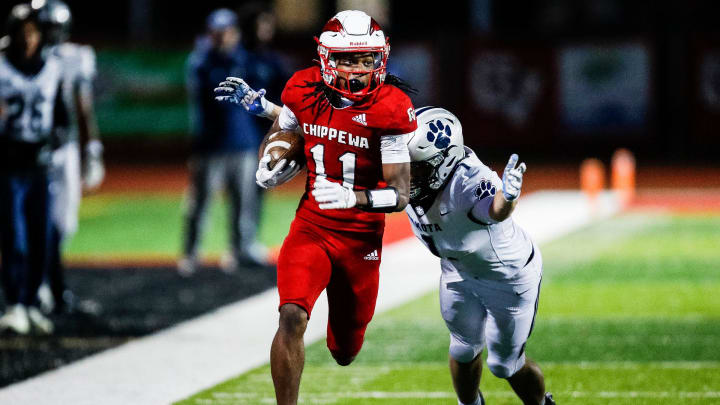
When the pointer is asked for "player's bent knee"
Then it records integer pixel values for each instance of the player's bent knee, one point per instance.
(343, 360)
(463, 352)
(293, 319)
(500, 370)
(346, 355)
(505, 366)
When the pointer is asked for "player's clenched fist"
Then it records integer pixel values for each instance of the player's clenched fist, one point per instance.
(279, 174)
(333, 195)
(512, 178)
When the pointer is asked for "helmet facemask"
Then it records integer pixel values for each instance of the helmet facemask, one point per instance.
(352, 32)
(428, 176)
(424, 178)
(353, 89)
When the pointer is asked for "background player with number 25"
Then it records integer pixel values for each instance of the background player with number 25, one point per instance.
(354, 121)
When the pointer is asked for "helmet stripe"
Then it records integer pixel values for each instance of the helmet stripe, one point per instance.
(422, 110)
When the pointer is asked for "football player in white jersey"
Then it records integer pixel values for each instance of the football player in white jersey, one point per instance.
(30, 107)
(69, 177)
(491, 269)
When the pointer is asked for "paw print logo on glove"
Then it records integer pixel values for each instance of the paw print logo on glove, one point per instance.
(484, 189)
(439, 134)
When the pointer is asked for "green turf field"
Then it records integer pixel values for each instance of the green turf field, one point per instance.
(141, 224)
(629, 314)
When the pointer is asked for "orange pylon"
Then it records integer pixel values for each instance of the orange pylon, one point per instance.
(592, 181)
(592, 177)
(623, 175)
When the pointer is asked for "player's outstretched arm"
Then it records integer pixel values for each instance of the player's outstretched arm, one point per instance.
(505, 202)
(93, 170)
(236, 91)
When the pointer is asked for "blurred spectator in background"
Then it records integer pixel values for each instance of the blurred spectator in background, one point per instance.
(226, 139)
(66, 174)
(31, 105)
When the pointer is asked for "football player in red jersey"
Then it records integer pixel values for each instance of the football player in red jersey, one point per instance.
(354, 119)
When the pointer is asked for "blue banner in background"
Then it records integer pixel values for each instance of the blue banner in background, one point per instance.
(604, 88)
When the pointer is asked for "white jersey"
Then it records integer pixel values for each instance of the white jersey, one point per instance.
(78, 63)
(484, 250)
(30, 101)
(79, 69)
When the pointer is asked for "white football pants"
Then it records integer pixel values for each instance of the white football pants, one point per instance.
(495, 313)
(65, 188)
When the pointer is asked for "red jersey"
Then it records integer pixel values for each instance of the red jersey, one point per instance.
(343, 144)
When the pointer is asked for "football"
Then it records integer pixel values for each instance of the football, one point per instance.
(284, 145)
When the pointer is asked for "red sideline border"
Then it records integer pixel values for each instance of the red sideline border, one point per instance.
(671, 188)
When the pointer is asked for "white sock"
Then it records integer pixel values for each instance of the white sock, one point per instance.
(478, 401)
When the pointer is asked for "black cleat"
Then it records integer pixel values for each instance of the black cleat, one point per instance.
(549, 399)
(70, 304)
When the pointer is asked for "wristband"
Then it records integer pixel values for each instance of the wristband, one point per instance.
(383, 199)
(268, 107)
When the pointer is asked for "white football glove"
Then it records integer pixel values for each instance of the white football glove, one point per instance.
(93, 167)
(286, 174)
(266, 177)
(236, 91)
(512, 178)
(333, 195)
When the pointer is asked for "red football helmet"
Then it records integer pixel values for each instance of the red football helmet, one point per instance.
(353, 31)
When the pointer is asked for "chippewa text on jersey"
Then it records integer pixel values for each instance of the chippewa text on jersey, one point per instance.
(333, 134)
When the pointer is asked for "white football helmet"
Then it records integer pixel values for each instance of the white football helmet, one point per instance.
(353, 31)
(435, 147)
(56, 17)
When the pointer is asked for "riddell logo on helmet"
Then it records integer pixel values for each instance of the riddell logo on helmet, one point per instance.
(358, 43)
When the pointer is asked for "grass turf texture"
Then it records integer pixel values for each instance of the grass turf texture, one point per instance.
(151, 225)
(629, 314)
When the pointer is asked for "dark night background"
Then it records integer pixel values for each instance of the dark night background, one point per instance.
(650, 70)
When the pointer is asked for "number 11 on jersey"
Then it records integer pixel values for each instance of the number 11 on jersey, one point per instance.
(348, 164)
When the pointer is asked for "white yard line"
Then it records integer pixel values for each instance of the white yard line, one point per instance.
(635, 365)
(328, 397)
(197, 354)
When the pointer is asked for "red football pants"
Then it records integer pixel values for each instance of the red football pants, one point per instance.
(345, 264)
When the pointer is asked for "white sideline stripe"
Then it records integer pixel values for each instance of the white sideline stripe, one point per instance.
(547, 215)
(180, 361)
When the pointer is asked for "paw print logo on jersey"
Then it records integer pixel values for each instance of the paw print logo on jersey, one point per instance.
(485, 189)
(439, 134)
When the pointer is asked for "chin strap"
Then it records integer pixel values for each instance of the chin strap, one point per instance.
(382, 199)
